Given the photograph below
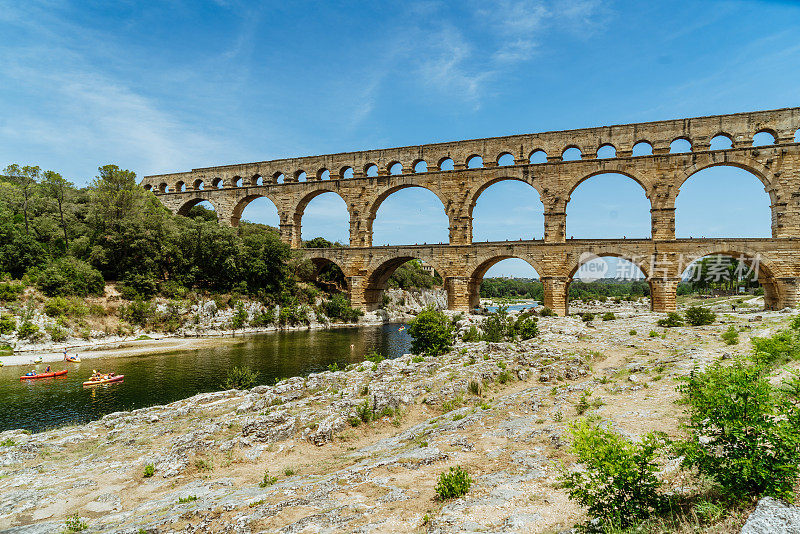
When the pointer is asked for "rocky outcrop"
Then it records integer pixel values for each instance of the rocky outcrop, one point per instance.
(772, 516)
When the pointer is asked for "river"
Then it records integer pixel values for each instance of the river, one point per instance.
(153, 379)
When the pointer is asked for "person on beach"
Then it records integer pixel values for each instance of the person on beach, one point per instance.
(47, 370)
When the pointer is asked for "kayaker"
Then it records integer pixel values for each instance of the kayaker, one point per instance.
(65, 354)
(30, 373)
(47, 370)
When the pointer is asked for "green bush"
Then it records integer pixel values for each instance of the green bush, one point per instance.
(453, 483)
(587, 317)
(431, 332)
(7, 324)
(57, 333)
(780, 348)
(546, 312)
(338, 307)
(470, 335)
(619, 485)
(139, 312)
(699, 316)
(264, 318)
(239, 317)
(139, 286)
(29, 331)
(671, 320)
(149, 471)
(9, 291)
(240, 378)
(498, 325)
(74, 523)
(293, 316)
(652, 333)
(609, 316)
(526, 327)
(744, 433)
(268, 480)
(730, 336)
(68, 307)
(70, 276)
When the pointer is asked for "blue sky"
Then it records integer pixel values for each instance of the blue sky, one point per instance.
(167, 86)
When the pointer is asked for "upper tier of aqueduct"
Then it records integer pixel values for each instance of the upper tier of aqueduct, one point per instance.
(458, 172)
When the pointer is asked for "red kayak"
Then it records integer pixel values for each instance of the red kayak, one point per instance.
(44, 375)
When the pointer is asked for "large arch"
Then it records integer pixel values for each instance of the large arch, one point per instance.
(242, 205)
(189, 204)
(595, 206)
(426, 231)
(377, 280)
(479, 269)
(530, 220)
(734, 197)
(327, 273)
(323, 227)
(633, 264)
(763, 268)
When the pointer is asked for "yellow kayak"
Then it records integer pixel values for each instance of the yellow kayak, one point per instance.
(74, 360)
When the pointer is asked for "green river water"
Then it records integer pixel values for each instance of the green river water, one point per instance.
(153, 379)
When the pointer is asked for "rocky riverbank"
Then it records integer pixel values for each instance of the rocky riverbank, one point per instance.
(361, 449)
(212, 327)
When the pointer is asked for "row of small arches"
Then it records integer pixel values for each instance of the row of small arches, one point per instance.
(721, 141)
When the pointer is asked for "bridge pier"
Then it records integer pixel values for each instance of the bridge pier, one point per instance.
(663, 293)
(458, 293)
(555, 293)
(663, 223)
(555, 227)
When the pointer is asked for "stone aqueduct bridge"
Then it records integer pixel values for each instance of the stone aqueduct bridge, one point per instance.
(292, 183)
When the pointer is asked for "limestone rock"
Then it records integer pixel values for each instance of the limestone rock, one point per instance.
(772, 516)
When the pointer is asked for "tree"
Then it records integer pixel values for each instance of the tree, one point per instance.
(57, 188)
(25, 179)
(432, 333)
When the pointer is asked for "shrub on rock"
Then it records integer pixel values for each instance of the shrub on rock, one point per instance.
(431, 332)
(700, 316)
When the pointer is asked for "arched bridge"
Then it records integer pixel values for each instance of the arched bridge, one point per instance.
(458, 172)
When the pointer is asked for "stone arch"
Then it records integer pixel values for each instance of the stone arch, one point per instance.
(417, 166)
(639, 213)
(478, 270)
(752, 166)
(370, 169)
(180, 186)
(768, 131)
(722, 135)
(574, 263)
(537, 156)
(675, 149)
(237, 181)
(444, 161)
(606, 150)
(375, 203)
(472, 161)
(395, 168)
(505, 156)
(300, 207)
(474, 199)
(189, 204)
(217, 183)
(569, 148)
(148, 187)
(199, 184)
(607, 170)
(766, 269)
(323, 174)
(643, 146)
(278, 177)
(320, 264)
(345, 171)
(377, 280)
(240, 206)
(256, 180)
